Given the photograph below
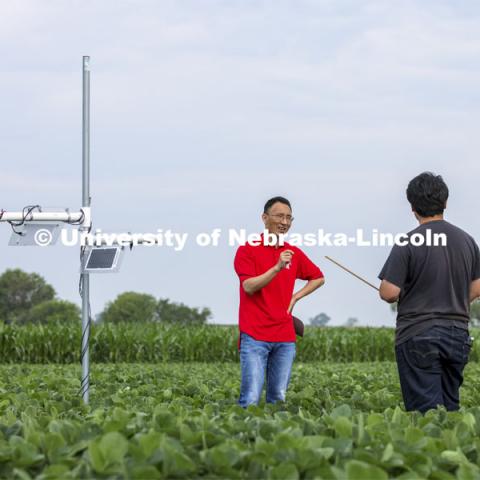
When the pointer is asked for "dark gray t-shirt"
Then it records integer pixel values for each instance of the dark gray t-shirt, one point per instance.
(434, 280)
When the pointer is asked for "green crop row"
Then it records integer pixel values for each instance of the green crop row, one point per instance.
(341, 421)
(153, 342)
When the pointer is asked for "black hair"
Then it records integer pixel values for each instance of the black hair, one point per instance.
(274, 200)
(427, 193)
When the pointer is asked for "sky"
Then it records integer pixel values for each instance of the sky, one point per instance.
(202, 110)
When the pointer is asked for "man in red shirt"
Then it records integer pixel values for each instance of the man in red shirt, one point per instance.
(267, 278)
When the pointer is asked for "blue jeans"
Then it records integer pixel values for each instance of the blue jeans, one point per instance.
(256, 358)
(430, 367)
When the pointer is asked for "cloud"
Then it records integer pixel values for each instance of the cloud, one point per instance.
(202, 109)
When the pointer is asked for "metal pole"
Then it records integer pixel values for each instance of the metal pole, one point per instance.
(68, 217)
(85, 385)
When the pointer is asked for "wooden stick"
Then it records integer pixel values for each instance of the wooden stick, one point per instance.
(351, 273)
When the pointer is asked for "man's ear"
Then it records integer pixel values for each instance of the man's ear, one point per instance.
(264, 218)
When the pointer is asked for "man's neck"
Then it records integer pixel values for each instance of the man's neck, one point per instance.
(422, 220)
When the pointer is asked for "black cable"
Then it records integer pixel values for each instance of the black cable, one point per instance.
(85, 334)
(86, 331)
(78, 222)
(26, 211)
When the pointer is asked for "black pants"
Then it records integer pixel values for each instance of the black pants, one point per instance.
(430, 366)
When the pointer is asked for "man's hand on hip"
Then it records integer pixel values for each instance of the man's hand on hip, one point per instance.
(293, 301)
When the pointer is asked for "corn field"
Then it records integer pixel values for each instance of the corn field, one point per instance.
(153, 342)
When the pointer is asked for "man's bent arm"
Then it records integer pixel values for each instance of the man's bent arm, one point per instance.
(475, 290)
(254, 284)
(307, 289)
(389, 292)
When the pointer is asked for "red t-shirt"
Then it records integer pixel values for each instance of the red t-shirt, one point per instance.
(263, 315)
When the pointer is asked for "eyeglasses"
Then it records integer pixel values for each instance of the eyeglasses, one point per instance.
(280, 218)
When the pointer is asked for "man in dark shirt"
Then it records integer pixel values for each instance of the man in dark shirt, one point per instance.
(434, 285)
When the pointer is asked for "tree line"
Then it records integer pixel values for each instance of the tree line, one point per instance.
(28, 298)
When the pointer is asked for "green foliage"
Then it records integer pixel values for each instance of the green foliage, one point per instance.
(139, 307)
(172, 312)
(53, 311)
(159, 342)
(340, 421)
(130, 307)
(21, 291)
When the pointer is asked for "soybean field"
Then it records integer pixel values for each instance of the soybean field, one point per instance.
(167, 418)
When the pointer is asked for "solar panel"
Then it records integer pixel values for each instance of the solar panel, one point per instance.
(102, 259)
